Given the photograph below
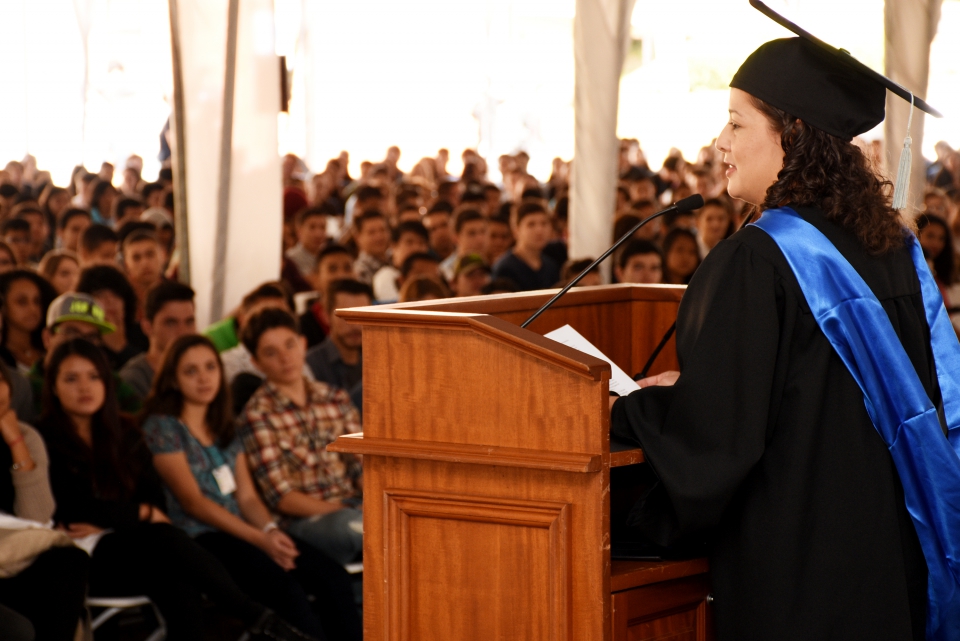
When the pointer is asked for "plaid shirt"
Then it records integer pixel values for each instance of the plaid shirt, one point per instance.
(287, 443)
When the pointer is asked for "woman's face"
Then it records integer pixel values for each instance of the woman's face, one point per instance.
(198, 375)
(112, 306)
(712, 224)
(65, 278)
(79, 387)
(933, 239)
(751, 150)
(682, 257)
(23, 309)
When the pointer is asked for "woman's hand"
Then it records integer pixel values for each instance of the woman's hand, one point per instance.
(280, 548)
(80, 530)
(664, 379)
(152, 514)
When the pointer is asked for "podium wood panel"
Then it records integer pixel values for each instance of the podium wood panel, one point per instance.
(487, 461)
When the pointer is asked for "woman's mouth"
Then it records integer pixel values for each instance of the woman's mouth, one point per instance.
(730, 170)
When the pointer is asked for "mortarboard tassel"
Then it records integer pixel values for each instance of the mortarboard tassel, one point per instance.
(902, 186)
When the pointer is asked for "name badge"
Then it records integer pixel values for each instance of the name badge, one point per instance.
(224, 477)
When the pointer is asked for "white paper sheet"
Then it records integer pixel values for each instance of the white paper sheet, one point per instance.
(620, 382)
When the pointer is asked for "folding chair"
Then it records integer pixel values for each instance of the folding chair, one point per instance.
(114, 605)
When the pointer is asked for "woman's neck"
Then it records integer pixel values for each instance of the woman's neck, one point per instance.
(194, 416)
(18, 340)
(84, 427)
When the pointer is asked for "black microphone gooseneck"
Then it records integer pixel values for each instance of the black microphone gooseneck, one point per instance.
(666, 337)
(681, 206)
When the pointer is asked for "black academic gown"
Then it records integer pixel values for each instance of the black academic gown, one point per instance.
(765, 445)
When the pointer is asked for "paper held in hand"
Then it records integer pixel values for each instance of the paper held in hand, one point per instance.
(620, 382)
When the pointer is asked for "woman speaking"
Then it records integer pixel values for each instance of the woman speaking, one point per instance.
(806, 433)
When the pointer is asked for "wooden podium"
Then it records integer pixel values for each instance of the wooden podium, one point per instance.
(487, 473)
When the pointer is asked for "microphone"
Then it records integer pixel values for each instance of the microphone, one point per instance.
(688, 204)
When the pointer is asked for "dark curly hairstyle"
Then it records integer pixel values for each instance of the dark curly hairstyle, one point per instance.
(823, 171)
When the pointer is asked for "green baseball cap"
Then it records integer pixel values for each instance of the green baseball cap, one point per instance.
(77, 307)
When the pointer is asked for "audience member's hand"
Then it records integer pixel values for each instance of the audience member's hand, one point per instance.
(80, 530)
(158, 516)
(280, 548)
(664, 379)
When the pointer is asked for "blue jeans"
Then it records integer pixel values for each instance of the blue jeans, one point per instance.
(339, 534)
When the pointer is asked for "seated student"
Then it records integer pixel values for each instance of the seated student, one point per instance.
(525, 264)
(143, 261)
(110, 288)
(39, 230)
(98, 246)
(190, 431)
(169, 314)
(714, 222)
(238, 360)
(50, 593)
(16, 233)
(311, 236)
(419, 288)
(640, 262)
(470, 275)
(25, 297)
(408, 238)
(437, 222)
(225, 333)
(499, 237)
(162, 221)
(70, 228)
(105, 487)
(680, 257)
(126, 210)
(61, 268)
(286, 426)
(572, 268)
(372, 235)
(333, 263)
(470, 232)
(337, 360)
(69, 316)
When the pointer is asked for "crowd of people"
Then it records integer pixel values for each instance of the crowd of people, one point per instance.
(149, 456)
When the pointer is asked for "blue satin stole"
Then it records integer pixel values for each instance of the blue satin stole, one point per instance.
(860, 331)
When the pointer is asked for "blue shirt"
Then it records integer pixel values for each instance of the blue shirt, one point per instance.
(523, 276)
(167, 435)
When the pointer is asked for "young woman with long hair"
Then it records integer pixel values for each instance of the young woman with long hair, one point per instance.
(935, 238)
(764, 443)
(189, 428)
(25, 297)
(108, 493)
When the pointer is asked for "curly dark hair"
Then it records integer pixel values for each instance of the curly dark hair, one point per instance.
(824, 171)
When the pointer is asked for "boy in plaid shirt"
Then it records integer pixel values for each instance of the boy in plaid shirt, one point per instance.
(286, 426)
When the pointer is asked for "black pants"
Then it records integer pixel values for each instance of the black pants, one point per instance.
(332, 615)
(50, 593)
(162, 562)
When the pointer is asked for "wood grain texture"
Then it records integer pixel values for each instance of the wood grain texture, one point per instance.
(675, 610)
(487, 472)
(469, 454)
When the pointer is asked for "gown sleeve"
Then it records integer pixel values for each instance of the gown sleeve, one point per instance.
(703, 435)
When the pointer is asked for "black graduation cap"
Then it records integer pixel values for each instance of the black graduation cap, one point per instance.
(820, 84)
(825, 87)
